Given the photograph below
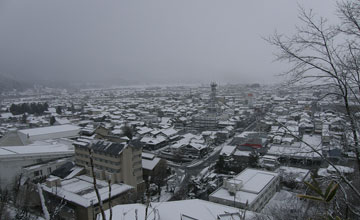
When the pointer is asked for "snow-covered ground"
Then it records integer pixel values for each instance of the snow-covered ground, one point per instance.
(164, 196)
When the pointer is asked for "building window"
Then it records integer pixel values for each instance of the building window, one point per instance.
(38, 173)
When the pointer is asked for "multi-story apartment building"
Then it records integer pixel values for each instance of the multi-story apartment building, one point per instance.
(118, 162)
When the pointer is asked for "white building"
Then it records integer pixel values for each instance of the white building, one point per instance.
(295, 174)
(51, 132)
(80, 195)
(180, 210)
(42, 170)
(251, 189)
(14, 158)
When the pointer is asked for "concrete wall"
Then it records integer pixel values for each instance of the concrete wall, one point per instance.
(257, 205)
(11, 167)
(127, 165)
(45, 168)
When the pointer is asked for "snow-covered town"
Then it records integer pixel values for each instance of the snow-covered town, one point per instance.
(179, 110)
(227, 149)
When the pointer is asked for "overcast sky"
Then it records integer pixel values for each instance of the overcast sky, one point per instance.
(160, 41)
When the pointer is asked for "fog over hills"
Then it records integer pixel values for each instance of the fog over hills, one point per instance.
(9, 83)
(134, 42)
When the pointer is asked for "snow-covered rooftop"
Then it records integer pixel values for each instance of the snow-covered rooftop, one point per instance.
(176, 210)
(169, 132)
(148, 156)
(253, 182)
(152, 140)
(227, 150)
(150, 164)
(80, 190)
(298, 174)
(293, 151)
(15, 151)
(49, 130)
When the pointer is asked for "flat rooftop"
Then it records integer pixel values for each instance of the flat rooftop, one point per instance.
(13, 151)
(80, 190)
(49, 130)
(178, 210)
(240, 196)
(254, 181)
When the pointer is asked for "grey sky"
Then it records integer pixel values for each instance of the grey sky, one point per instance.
(146, 40)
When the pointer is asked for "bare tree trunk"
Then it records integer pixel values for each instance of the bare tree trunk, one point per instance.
(353, 130)
(110, 206)
(43, 205)
(95, 186)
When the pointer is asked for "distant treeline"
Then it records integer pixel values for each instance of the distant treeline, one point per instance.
(32, 108)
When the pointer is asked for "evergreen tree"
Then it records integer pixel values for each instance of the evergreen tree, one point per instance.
(58, 110)
(220, 164)
(127, 131)
(52, 120)
(46, 106)
(253, 159)
(13, 109)
(23, 118)
(33, 108)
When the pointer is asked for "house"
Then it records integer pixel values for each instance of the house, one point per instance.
(330, 171)
(170, 134)
(103, 133)
(227, 151)
(250, 189)
(222, 136)
(143, 131)
(152, 165)
(295, 154)
(61, 121)
(250, 141)
(194, 150)
(154, 143)
(308, 152)
(8, 116)
(209, 137)
(293, 174)
(269, 162)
